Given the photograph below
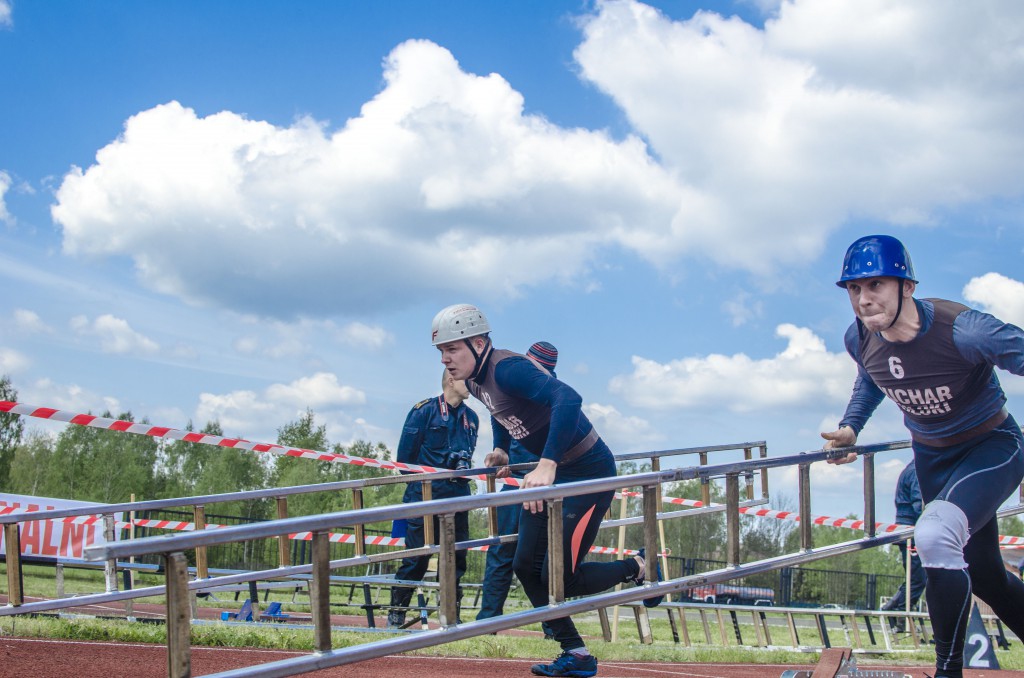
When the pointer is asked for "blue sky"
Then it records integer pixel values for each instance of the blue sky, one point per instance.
(216, 212)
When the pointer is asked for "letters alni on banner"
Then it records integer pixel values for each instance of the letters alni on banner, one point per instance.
(59, 538)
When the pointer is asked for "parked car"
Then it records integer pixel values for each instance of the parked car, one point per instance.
(730, 594)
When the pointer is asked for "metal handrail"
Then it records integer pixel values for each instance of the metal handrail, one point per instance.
(327, 521)
(359, 483)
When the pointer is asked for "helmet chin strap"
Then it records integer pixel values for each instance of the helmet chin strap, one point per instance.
(899, 306)
(478, 357)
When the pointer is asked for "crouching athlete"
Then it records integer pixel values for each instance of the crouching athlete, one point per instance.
(935, 358)
(544, 414)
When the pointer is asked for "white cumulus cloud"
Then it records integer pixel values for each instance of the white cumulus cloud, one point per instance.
(248, 413)
(750, 146)
(115, 335)
(30, 322)
(804, 373)
(5, 14)
(5, 178)
(430, 188)
(838, 109)
(622, 433)
(362, 335)
(12, 361)
(996, 294)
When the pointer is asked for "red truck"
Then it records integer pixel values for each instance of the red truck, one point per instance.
(730, 594)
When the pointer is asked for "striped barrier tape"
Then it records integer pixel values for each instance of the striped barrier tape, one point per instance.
(828, 521)
(122, 426)
(105, 423)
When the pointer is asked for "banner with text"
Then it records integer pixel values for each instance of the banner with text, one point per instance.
(60, 538)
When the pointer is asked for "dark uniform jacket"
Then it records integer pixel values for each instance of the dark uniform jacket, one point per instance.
(431, 432)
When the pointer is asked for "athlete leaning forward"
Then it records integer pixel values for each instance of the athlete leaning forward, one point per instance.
(935, 358)
(544, 414)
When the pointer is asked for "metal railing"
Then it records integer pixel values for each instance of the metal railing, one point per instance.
(172, 548)
(197, 506)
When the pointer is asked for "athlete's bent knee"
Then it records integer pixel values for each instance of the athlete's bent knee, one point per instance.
(941, 534)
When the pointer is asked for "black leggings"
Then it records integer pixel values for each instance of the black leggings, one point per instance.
(581, 519)
(976, 476)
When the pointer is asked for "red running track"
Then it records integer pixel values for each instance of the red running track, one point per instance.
(44, 658)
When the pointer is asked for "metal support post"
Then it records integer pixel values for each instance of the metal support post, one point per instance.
(556, 557)
(179, 650)
(732, 519)
(320, 592)
(448, 613)
(283, 555)
(806, 539)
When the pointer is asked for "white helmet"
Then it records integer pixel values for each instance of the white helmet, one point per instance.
(459, 321)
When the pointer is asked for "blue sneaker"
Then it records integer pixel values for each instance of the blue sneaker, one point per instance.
(568, 664)
(656, 600)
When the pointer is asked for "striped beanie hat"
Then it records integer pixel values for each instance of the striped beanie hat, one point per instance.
(545, 354)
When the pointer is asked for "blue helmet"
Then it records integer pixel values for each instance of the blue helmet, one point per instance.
(875, 256)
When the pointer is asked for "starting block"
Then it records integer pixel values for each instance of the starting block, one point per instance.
(840, 663)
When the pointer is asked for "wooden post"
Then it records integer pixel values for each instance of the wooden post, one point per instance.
(623, 510)
(129, 605)
(202, 567)
(748, 454)
(428, 521)
(15, 587)
(448, 613)
(110, 567)
(806, 539)
(492, 511)
(764, 473)
(869, 498)
(283, 554)
(732, 519)
(556, 556)
(320, 592)
(705, 482)
(179, 651)
(359, 530)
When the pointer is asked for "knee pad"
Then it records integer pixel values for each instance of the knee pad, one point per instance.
(941, 534)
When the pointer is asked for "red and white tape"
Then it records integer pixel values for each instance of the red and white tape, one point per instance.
(120, 425)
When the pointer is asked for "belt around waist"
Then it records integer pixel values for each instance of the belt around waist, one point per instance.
(962, 437)
(580, 448)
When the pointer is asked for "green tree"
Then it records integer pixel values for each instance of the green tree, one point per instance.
(32, 461)
(291, 471)
(69, 464)
(191, 469)
(12, 427)
(763, 537)
(133, 456)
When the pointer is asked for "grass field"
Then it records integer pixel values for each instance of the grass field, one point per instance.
(40, 581)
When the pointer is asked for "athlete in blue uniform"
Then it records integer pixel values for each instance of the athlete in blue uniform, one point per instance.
(439, 432)
(498, 572)
(935, 359)
(544, 414)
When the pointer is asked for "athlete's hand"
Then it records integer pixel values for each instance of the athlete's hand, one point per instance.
(498, 457)
(844, 436)
(542, 476)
